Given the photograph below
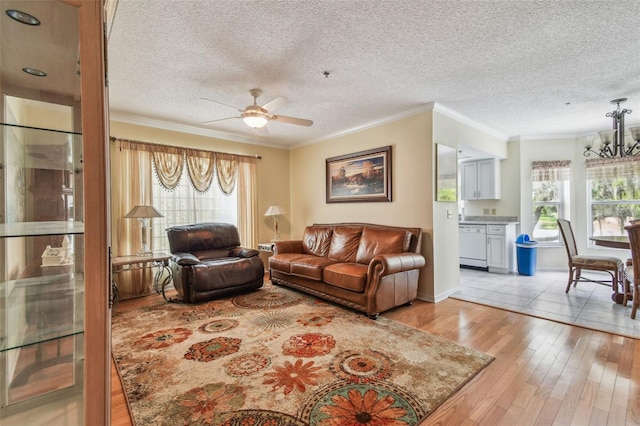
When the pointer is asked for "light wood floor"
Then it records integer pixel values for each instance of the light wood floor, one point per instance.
(545, 373)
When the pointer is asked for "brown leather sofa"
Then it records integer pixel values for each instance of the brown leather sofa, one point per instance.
(370, 268)
(208, 262)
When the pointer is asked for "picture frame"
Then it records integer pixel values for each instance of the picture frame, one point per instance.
(446, 174)
(363, 176)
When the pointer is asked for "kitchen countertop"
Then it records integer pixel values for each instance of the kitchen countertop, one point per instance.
(486, 222)
(489, 220)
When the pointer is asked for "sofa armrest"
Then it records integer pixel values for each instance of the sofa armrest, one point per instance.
(243, 252)
(185, 259)
(291, 246)
(391, 263)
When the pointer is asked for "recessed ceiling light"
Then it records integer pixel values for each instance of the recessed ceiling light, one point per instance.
(34, 71)
(23, 17)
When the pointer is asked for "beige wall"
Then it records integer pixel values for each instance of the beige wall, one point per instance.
(412, 188)
(273, 169)
(452, 132)
(296, 180)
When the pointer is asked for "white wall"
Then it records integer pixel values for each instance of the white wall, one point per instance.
(559, 149)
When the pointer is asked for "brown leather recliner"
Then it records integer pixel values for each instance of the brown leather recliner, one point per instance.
(208, 262)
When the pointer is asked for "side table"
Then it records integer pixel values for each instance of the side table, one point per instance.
(268, 247)
(133, 263)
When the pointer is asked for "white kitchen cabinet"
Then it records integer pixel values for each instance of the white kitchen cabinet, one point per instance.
(480, 179)
(501, 248)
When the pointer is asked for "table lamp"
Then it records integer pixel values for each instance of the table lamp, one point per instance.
(275, 211)
(143, 214)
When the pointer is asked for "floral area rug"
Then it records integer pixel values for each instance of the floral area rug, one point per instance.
(278, 357)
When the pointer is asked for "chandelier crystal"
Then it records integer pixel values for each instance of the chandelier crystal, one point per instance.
(615, 142)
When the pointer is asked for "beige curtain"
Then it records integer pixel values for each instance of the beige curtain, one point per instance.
(544, 171)
(612, 168)
(135, 166)
(227, 168)
(200, 165)
(233, 171)
(248, 203)
(168, 165)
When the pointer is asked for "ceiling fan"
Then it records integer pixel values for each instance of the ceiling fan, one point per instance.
(257, 116)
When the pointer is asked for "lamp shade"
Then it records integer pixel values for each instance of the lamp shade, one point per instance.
(274, 211)
(607, 136)
(143, 211)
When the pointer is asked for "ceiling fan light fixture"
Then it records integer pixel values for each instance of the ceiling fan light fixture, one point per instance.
(254, 119)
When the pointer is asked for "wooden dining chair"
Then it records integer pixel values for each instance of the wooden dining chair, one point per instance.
(577, 262)
(632, 272)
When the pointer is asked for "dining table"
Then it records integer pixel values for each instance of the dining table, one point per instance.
(612, 241)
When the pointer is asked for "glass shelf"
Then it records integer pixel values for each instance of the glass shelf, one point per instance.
(41, 309)
(32, 229)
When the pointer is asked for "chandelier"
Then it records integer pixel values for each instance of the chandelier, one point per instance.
(614, 142)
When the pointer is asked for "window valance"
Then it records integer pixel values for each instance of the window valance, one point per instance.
(169, 161)
(612, 168)
(557, 170)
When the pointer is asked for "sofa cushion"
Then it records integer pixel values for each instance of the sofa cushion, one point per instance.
(211, 254)
(202, 237)
(310, 267)
(379, 241)
(344, 243)
(226, 273)
(316, 240)
(185, 259)
(243, 252)
(282, 262)
(349, 276)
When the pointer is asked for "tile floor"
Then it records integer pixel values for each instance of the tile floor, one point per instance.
(542, 295)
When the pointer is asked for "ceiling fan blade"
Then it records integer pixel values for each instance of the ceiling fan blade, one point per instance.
(223, 104)
(292, 120)
(219, 119)
(275, 104)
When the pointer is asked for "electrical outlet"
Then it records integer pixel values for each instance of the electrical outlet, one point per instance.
(486, 211)
(493, 212)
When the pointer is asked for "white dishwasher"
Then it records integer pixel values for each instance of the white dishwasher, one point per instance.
(473, 245)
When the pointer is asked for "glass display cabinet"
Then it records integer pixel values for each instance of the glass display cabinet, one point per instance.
(42, 288)
(53, 121)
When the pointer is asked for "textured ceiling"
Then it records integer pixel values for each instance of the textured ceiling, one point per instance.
(520, 68)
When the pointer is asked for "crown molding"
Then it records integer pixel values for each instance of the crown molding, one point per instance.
(551, 136)
(546, 136)
(184, 128)
(428, 107)
(368, 125)
(469, 122)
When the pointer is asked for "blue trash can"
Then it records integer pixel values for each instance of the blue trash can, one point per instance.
(527, 254)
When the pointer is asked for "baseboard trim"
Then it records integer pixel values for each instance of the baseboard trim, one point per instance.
(440, 297)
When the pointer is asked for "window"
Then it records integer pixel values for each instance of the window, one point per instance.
(613, 188)
(550, 192)
(184, 205)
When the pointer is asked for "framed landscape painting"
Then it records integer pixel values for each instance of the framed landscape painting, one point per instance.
(446, 173)
(359, 177)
